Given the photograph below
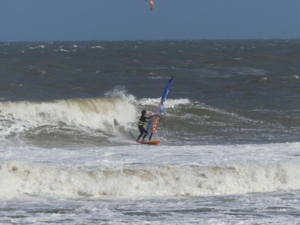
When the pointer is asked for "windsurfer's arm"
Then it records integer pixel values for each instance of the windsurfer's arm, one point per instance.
(150, 117)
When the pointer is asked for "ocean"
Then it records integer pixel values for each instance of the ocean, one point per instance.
(229, 151)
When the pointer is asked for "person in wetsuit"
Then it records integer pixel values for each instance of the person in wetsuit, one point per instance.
(144, 119)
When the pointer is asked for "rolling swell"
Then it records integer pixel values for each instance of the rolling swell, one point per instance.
(111, 120)
(192, 122)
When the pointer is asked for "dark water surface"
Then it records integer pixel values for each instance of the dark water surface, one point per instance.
(226, 91)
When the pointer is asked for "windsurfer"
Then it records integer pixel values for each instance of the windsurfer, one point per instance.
(143, 119)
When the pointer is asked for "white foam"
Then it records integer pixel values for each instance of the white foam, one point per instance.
(170, 103)
(98, 46)
(36, 47)
(62, 50)
(150, 171)
(23, 178)
(98, 113)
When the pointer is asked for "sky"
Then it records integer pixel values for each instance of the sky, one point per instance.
(76, 20)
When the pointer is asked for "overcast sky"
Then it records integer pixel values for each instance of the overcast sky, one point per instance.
(51, 20)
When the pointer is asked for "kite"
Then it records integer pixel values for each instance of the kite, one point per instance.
(151, 3)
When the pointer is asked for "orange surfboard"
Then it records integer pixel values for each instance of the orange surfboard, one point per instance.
(155, 142)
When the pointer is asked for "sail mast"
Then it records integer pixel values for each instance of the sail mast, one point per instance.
(157, 116)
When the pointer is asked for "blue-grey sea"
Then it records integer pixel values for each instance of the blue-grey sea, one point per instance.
(229, 151)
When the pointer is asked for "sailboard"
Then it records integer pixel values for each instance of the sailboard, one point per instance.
(155, 142)
(156, 118)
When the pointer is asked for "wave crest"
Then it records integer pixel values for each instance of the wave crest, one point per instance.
(83, 114)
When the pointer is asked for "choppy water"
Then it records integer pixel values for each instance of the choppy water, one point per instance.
(230, 132)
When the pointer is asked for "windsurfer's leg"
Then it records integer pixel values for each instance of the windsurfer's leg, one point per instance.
(141, 129)
(139, 137)
(145, 133)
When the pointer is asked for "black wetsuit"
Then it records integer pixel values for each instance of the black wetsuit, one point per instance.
(141, 127)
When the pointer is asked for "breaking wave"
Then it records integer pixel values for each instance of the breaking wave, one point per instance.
(24, 178)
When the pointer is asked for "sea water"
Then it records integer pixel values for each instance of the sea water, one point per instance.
(229, 151)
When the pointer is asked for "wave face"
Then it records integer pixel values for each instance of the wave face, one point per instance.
(64, 120)
(112, 121)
